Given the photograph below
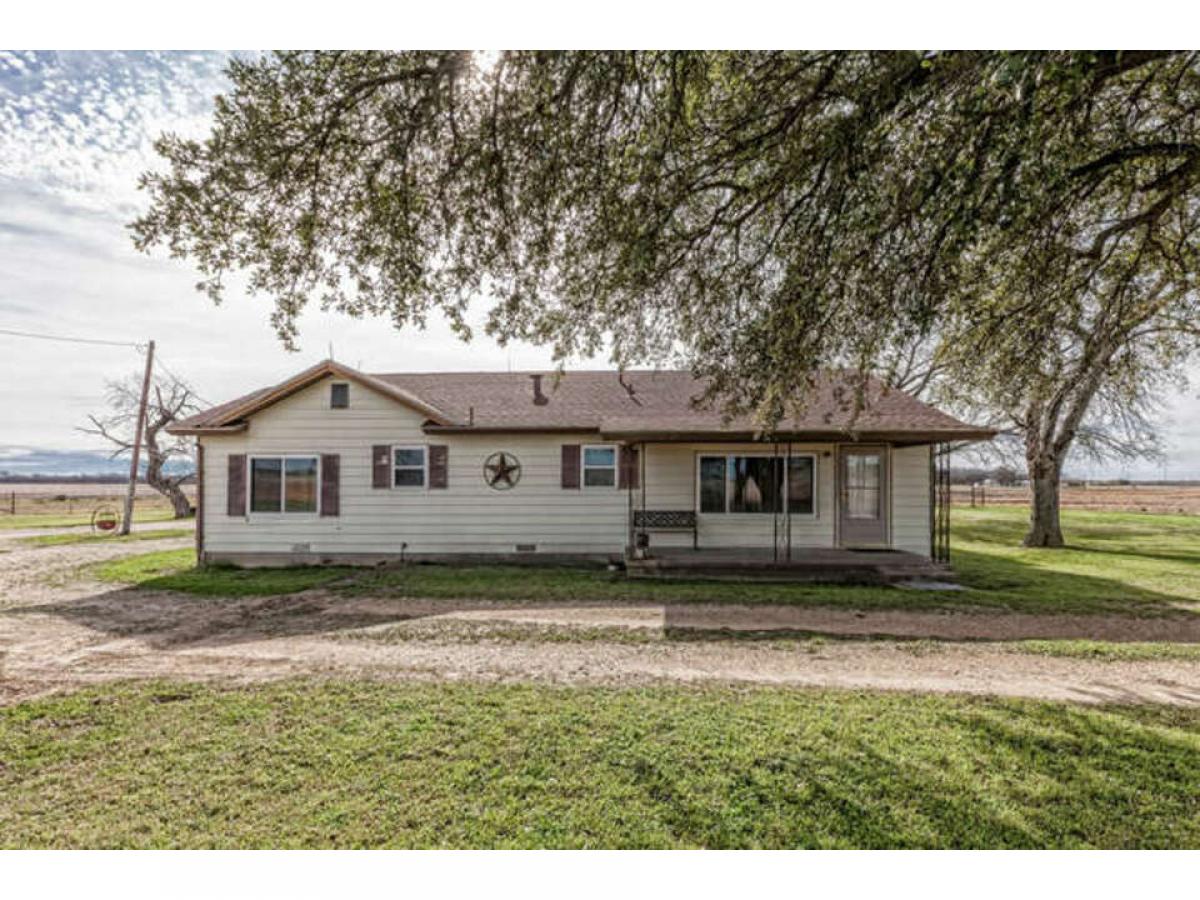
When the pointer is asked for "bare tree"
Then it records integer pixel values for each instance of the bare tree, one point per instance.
(170, 399)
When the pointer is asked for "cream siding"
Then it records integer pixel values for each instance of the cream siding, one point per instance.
(910, 499)
(465, 517)
(470, 517)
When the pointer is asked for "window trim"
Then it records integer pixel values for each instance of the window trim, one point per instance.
(424, 485)
(251, 512)
(583, 467)
(726, 456)
(337, 384)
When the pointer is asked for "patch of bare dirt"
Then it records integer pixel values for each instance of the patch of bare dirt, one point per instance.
(57, 632)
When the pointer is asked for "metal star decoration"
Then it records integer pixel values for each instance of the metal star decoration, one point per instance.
(502, 471)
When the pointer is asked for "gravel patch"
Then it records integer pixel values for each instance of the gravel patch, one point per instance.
(58, 630)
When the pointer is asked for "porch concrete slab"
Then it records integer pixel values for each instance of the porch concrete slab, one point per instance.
(815, 564)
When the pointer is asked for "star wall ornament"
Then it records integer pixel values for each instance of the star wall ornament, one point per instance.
(501, 471)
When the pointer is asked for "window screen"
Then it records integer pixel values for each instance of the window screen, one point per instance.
(599, 467)
(408, 467)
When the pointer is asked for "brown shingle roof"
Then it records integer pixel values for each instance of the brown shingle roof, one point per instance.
(659, 403)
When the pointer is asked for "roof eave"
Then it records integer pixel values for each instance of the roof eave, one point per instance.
(434, 428)
(201, 430)
(929, 436)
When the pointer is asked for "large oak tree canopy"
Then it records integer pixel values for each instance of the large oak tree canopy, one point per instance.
(762, 213)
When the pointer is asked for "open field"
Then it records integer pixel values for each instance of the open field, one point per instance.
(64, 504)
(76, 537)
(78, 520)
(1179, 499)
(322, 764)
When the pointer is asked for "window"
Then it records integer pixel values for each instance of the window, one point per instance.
(758, 484)
(712, 484)
(287, 484)
(339, 396)
(862, 485)
(802, 485)
(408, 466)
(755, 483)
(599, 466)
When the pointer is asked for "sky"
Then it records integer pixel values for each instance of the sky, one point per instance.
(75, 131)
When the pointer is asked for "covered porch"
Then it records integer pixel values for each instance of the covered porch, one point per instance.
(862, 512)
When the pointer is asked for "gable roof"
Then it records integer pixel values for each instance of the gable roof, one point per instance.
(230, 416)
(636, 405)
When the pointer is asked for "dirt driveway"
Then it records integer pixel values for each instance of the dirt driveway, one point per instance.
(58, 630)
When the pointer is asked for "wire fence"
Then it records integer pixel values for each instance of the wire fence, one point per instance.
(1173, 499)
(75, 500)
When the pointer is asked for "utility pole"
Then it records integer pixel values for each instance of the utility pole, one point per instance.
(127, 519)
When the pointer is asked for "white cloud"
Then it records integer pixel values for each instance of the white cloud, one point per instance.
(77, 131)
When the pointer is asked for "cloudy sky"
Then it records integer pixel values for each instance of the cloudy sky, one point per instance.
(75, 131)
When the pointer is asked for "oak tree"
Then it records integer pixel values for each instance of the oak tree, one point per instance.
(756, 215)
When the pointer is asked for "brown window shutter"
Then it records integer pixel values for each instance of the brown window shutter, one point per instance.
(439, 458)
(570, 466)
(381, 466)
(330, 484)
(627, 472)
(235, 486)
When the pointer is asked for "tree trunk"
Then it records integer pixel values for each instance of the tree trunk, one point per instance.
(167, 486)
(1045, 529)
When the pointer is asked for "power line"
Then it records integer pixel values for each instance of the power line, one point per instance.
(141, 348)
(71, 340)
(159, 360)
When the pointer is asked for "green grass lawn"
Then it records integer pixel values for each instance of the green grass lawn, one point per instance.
(56, 540)
(308, 764)
(176, 570)
(1117, 563)
(23, 522)
(1111, 651)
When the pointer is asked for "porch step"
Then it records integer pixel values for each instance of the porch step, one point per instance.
(824, 567)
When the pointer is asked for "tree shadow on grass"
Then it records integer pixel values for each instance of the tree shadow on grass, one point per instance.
(1021, 583)
(977, 775)
(219, 606)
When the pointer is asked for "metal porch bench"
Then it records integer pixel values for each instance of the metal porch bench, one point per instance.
(646, 520)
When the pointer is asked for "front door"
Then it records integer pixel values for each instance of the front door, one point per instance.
(863, 503)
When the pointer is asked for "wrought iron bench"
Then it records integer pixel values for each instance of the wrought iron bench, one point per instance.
(667, 520)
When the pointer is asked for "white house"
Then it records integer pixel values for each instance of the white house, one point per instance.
(338, 466)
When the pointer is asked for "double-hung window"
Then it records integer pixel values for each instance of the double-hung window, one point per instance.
(758, 484)
(408, 467)
(600, 466)
(284, 484)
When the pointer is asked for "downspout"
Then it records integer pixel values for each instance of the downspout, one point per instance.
(199, 502)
